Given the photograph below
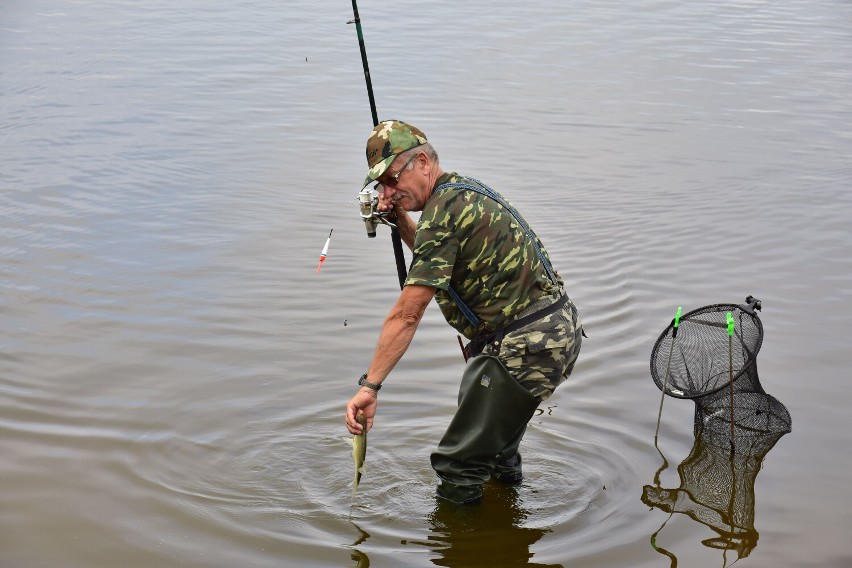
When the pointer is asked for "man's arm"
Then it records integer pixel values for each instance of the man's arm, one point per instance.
(398, 330)
(394, 339)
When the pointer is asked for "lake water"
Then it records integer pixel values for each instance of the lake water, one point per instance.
(173, 370)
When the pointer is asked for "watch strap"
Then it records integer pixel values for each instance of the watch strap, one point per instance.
(365, 383)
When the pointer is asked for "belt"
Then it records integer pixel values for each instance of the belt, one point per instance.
(477, 344)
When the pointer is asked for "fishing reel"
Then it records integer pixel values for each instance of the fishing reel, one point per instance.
(368, 200)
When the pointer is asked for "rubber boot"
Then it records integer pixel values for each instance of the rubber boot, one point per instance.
(508, 468)
(492, 416)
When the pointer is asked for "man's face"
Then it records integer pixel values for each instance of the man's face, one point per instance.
(403, 186)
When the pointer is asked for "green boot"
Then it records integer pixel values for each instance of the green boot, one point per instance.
(460, 494)
(490, 421)
(508, 468)
(508, 471)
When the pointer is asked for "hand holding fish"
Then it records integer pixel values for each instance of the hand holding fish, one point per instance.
(364, 400)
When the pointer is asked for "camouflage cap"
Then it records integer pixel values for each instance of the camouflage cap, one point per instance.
(389, 139)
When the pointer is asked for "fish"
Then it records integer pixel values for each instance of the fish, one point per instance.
(359, 450)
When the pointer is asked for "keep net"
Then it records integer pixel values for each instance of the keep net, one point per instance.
(719, 373)
(701, 358)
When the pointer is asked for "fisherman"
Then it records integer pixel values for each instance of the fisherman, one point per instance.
(494, 283)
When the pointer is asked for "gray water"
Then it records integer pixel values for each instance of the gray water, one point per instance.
(173, 370)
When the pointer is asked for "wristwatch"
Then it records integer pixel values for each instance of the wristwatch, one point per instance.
(365, 383)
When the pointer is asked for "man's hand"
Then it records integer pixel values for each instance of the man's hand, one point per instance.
(403, 220)
(365, 399)
(387, 206)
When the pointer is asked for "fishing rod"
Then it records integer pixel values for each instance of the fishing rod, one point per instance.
(367, 198)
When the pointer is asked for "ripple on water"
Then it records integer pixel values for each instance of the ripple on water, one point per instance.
(571, 487)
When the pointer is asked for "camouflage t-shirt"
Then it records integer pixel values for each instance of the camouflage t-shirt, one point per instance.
(469, 240)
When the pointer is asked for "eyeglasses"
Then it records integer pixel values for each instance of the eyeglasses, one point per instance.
(394, 179)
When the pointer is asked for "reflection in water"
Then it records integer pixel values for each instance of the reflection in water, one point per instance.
(487, 534)
(360, 558)
(716, 483)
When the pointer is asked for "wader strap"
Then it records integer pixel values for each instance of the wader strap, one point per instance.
(488, 192)
(465, 309)
(535, 316)
(469, 314)
(476, 345)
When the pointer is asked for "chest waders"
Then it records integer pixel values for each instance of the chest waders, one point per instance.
(493, 409)
(487, 428)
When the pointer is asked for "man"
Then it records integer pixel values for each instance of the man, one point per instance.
(494, 283)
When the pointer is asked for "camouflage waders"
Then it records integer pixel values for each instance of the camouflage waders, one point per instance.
(542, 354)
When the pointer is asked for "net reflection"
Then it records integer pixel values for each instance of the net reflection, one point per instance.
(717, 483)
(488, 534)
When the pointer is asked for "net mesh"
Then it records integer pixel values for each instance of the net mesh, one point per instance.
(759, 420)
(700, 358)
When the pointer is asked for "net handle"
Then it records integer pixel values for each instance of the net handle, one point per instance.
(675, 325)
(730, 320)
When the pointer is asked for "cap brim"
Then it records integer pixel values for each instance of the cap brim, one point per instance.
(377, 170)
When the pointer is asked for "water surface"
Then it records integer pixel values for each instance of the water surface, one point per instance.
(173, 370)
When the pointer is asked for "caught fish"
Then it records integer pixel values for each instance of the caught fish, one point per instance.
(359, 450)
